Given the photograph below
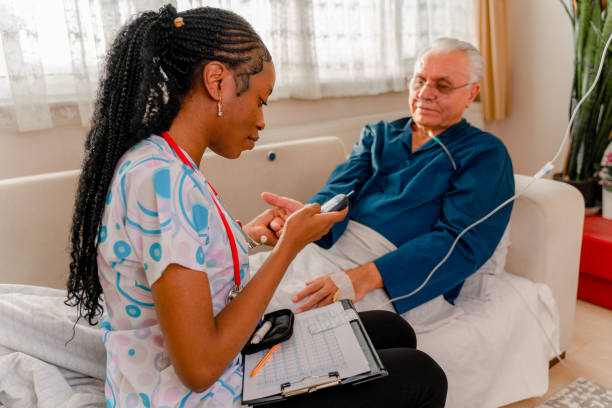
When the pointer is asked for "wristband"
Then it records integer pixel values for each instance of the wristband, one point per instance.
(344, 284)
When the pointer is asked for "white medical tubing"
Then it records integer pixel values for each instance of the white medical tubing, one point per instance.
(601, 64)
(544, 170)
(430, 134)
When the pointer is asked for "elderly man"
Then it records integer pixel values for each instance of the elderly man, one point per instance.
(418, 182)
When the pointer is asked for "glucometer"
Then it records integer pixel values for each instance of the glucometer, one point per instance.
(275, 328)
(336, 203)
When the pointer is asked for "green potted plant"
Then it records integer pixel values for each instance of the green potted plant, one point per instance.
(606, 181)
(592, 128)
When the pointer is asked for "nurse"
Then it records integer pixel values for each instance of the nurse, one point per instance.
(150, 234)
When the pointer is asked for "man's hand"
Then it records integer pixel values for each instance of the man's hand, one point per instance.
(321, 292)
(259, 226)
(270, 222)
(364, 278)
(287, 206)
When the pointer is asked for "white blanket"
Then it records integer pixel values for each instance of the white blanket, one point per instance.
(37, 367)
(496, 353)
(492, 350)
(357, 245)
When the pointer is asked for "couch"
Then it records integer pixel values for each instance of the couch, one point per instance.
(546, 221)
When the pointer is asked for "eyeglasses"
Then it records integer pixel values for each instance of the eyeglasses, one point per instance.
(418, 84)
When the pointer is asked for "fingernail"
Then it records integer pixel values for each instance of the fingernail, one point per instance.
(294, 298)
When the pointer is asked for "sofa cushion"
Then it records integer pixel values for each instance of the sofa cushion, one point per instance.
(476, 286)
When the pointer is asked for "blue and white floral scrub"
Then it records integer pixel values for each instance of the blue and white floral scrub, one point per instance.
(158, 212)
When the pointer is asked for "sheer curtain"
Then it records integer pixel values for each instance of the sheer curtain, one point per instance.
(493, 45)
(51, 51)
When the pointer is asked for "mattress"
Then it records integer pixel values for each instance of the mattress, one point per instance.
(496, 351)
(493, 351)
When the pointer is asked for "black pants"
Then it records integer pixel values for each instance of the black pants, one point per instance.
(414, 380)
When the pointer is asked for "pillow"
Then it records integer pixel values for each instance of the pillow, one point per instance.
(432, 314)
(476, 286)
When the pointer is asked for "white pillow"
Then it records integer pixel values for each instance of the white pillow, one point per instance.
(476, 286)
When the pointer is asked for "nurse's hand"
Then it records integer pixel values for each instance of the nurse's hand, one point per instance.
(287, 206)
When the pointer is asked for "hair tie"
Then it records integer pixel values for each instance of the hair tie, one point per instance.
(178, 22)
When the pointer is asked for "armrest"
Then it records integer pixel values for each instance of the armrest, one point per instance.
(36, 211)
(36, 215)
(546, 234)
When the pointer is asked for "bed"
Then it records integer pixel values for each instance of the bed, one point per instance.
(494, 349)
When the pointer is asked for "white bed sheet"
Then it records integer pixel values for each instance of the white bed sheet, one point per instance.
(491, 348)
(37, 367)
(493, 351)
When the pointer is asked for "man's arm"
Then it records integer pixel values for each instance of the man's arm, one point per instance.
(348, 176)
(484, 181)
(364, 278)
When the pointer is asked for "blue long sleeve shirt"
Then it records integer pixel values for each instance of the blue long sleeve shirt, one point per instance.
(420, 203)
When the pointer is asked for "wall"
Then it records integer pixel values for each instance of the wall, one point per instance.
(56, 149)
(341, 117)
(60, 148)
(541, 69)
(541, 55)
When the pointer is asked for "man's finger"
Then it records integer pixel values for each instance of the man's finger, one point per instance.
(281, 202)
(276, 224)
(326, 301)
(312, 301)
(308, 290)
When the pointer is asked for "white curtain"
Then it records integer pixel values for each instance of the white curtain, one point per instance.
(51, 51)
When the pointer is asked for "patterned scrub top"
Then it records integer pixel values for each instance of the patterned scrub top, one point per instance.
(159, 211)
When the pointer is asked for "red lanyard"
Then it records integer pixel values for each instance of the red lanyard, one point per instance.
(228, 230)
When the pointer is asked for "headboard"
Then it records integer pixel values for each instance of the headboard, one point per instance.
(295, 169)
(35, 214)
(36, 211)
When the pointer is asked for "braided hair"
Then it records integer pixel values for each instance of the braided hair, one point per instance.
(150, 68)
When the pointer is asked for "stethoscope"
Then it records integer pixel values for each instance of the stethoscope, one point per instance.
(251, 243)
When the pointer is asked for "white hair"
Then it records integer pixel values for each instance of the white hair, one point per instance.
(446, 45)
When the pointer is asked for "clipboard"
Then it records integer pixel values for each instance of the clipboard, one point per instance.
(338, 321)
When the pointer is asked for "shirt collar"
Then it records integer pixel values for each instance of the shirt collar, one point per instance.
(448, 134)
(407, 131)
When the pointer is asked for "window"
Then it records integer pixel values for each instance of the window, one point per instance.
(51, 51)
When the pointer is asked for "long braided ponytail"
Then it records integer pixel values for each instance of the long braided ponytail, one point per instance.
(150, 67)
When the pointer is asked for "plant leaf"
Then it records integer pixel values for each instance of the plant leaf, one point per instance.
(570, 15)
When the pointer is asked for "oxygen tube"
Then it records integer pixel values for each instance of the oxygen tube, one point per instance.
(539, 174)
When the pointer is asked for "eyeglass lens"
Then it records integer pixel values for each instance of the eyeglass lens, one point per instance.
(417, 84)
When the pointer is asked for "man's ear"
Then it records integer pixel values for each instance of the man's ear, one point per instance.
(473, 93)
(213, 75)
